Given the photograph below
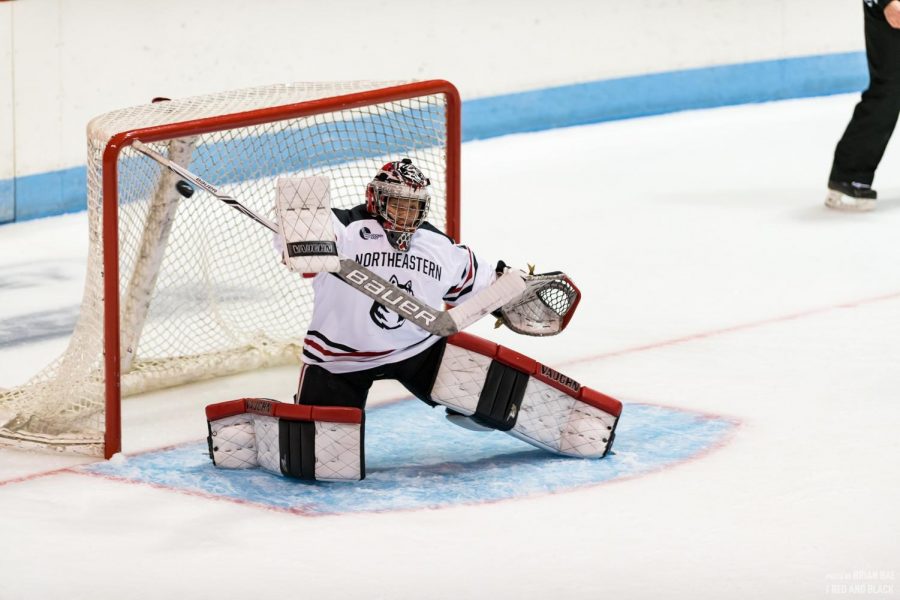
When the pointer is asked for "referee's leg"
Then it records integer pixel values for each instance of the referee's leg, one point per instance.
(862, 146)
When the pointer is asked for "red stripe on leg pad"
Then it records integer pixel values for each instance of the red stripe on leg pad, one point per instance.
(605, 403)
(337, 414)
(331, 414)
(474, 343)
(517, 361)
(294, 412)
(256, 406)
(221, 410)
(283, 410)
(541, 372)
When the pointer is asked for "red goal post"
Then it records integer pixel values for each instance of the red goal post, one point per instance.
(182, 289)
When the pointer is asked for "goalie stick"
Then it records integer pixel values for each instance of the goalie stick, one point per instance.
(506, 288)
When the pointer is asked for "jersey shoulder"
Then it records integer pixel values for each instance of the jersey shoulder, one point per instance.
(349, 215)
(431, 228)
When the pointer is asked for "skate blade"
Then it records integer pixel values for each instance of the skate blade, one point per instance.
(839, 201)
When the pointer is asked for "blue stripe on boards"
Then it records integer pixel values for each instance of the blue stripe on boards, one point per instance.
(263, 155)
(62, 191)
(48, 194)
(416, 459)
(241, 159)
(7, 201)
(660, 93)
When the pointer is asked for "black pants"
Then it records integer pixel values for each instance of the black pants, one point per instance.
(319, 387)
(860, 150)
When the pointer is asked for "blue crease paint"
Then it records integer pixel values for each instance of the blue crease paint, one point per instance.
(417, 460)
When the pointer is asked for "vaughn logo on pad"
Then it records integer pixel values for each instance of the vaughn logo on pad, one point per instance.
(311, 249)
(554, 375)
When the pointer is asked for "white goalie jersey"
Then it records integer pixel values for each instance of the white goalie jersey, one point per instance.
(349, 331)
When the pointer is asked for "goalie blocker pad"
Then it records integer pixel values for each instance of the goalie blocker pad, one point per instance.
(303, 211)
(498, 388)
(313, 443)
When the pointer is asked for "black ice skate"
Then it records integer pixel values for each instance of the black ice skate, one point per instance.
(850, 196)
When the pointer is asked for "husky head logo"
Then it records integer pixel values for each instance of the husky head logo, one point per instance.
(388, 319)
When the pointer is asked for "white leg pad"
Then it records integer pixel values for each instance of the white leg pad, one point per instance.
(499, 388)
(268, 447)
(307, 442)
(338, 451)
(234, 442)
(460, 379)
(555, 421)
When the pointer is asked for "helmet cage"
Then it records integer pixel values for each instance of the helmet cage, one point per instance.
(399, 198)
(408, 200)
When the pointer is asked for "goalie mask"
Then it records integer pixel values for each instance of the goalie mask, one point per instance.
(398, 197)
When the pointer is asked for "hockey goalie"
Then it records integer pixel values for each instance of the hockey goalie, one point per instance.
(354, 340)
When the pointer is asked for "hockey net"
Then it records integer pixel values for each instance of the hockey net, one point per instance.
(183, 289)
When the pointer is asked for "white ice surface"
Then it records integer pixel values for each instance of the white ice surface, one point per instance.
(714, 280)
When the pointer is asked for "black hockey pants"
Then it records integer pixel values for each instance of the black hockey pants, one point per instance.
(417, 373)
(861, 148)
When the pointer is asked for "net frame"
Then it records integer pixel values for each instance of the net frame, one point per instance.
(119, 141)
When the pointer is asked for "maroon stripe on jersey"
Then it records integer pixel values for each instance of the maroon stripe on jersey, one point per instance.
(311, 356)
(303, 366)
(469, 276)
(322, 350)
(329, 342)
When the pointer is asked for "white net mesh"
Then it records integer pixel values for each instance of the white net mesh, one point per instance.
(201, 291)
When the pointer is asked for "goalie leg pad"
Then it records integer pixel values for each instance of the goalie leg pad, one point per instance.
(232, 442)
(312, 443)
(499, 400)
(297, 448)
(501, 397)
(542, 406)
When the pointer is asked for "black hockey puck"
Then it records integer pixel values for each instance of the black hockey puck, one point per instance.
(184, 188)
